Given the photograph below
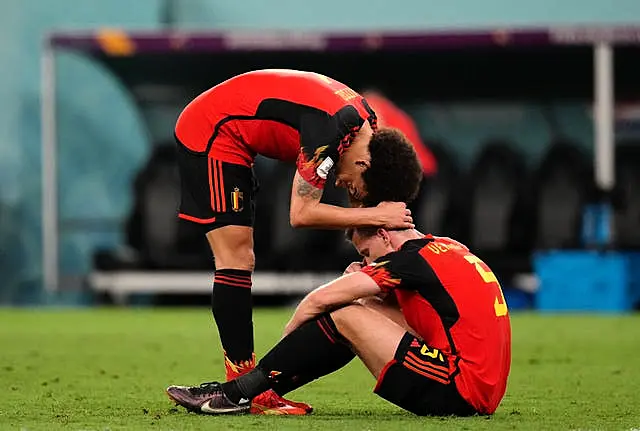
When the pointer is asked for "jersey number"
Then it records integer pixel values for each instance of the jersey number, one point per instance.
(500, 305)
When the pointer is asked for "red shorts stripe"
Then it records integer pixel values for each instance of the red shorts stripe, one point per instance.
(423, 373)
(430, 364)
(427, 368)
(211, 189)
(223, 197)
(197, 220)
(216, 185)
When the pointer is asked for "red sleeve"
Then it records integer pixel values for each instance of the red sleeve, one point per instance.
(308, 169)
(381, 274)
(402, 269)
(323, 138)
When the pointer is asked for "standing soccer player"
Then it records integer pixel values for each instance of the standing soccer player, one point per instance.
(449, 353)
(287, 115)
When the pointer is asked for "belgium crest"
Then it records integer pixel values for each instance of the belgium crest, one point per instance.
(236, 200)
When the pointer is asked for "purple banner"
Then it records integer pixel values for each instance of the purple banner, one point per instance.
(117, 42)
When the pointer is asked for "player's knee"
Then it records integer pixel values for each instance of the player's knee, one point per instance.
(372, 302)
(345, 317)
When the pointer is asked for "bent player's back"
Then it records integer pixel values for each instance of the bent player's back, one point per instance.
(261, 112)
(294, 86)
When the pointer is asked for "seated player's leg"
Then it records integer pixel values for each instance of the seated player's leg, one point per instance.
(313, 350)
(410, 374)
(389, 308)
(374, 347)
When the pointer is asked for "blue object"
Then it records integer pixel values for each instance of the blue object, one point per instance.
(587, 280)
(517, 299)
(596, 225)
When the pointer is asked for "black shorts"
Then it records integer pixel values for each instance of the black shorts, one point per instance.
(418, 380)
(215, 193)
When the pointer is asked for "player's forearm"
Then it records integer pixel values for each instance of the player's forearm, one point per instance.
(341, 291)
(307, 211)
(309, 308)
(325, 298)
(306, 310)
(324, 216)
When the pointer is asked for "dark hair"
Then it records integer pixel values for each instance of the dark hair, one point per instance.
(364, 231)
(395, 173)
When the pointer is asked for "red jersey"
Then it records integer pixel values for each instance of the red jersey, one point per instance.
(275, 113)
(389, 115)
(454, 303)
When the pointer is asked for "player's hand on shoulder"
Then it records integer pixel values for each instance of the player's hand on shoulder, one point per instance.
(395, 215)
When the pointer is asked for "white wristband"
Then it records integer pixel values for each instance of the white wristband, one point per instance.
(324, 168)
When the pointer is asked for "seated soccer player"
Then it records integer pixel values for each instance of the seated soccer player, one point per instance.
(447, 352)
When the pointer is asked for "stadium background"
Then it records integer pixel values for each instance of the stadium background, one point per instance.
(105, 139)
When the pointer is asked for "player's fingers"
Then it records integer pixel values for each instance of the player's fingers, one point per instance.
(407, 211)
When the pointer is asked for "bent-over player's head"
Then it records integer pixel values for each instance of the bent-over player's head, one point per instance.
(372, 243)
(380, 166)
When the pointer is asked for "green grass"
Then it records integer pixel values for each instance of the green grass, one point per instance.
(106, 369)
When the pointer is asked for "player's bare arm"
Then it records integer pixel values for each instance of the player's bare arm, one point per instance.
(307, 191)
(342, 291)
(306, 210)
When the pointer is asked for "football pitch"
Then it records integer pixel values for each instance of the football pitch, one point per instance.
(106, 369)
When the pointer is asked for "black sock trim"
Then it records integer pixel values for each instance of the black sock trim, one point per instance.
(241, 273)
(329, 328)
(233, 277)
